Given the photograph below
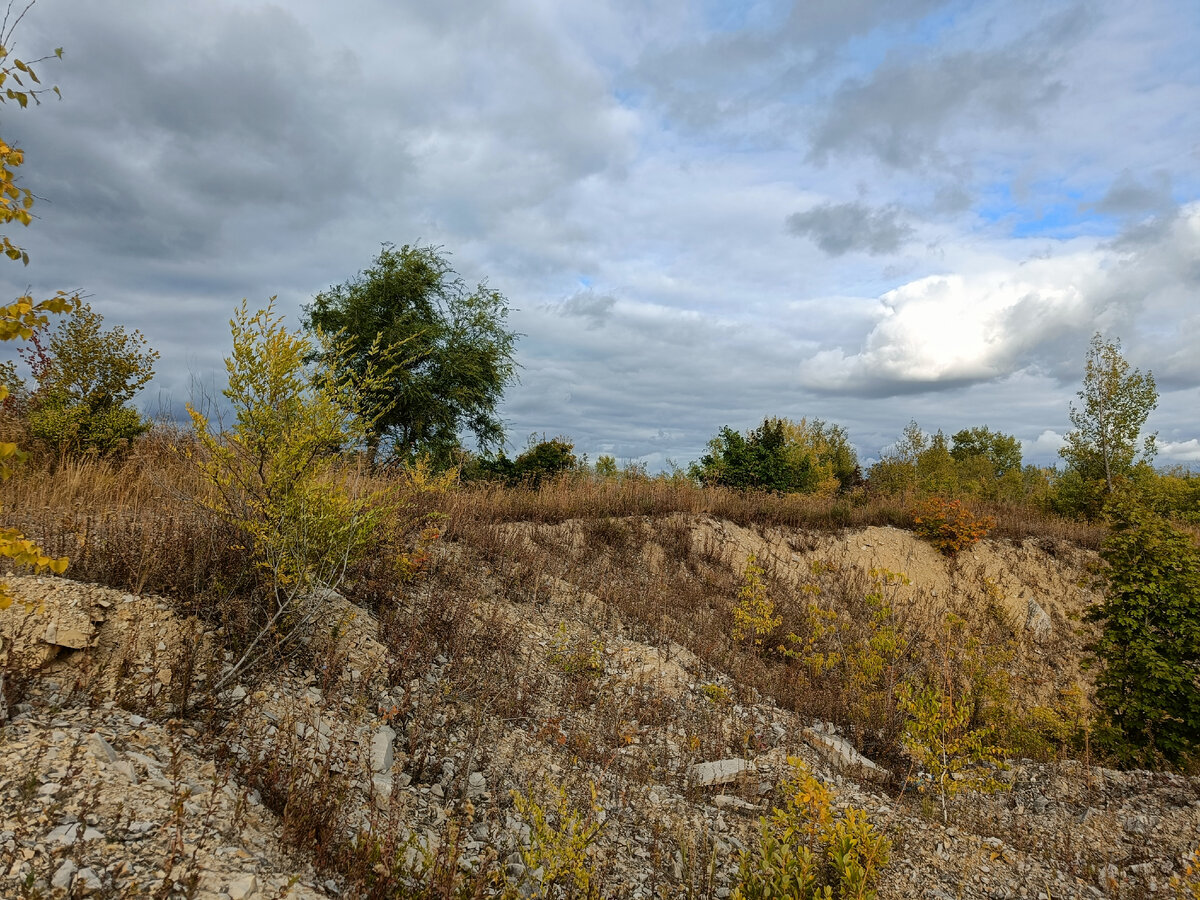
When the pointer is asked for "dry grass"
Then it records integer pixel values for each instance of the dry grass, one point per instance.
(574, 497)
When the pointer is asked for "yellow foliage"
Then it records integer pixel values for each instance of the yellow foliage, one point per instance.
(19, 318)
(754, 616)
(559, 838)
(804, 849)
(275, 473)
(1187, 884)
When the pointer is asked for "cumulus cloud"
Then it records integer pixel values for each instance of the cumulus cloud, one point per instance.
(943, 331)
(847, 227)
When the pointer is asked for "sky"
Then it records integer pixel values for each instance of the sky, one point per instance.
(702, 213)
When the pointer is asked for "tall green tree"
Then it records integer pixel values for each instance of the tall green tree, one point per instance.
(449, 349)
(1149, 648)
(1116, 401)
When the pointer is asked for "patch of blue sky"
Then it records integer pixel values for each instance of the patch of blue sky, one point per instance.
(903, 38)
(1066, 215)
(728, 16)
(1062, 220)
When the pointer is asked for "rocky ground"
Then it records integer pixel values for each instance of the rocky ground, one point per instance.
(129, 770)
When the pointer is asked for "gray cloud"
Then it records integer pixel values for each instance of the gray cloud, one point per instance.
(848, 227)
(903, 112)
(595, 308)
(1128, 195)
(729, 79)
(215, 150)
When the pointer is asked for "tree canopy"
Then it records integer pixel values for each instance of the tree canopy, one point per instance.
(781, 455)
(1116, 404)
(448, 350)
(1003, 451)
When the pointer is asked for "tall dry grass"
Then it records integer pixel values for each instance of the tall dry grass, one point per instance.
(133, 523)
(574, 497)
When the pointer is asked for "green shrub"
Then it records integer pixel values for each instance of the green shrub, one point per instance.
(541, 461)
(556, 860)
(78, 427)
(939, 738)
(1149, 647)
(781, 455)
(804, 852)
(275, 475)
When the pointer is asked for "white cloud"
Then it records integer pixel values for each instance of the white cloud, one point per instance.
(1179, 451)
(1048, 443)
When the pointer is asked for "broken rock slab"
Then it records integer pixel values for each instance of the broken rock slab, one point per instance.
(382, 752)
(841, 754)
(721, 771)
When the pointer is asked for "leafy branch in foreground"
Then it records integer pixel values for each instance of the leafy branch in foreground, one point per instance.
(19, 319)
(804, 850)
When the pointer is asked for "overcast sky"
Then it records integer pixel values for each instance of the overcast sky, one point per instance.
(701, 212)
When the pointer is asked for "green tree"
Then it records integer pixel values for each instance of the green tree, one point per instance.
(449, 350)
(86, 376)
(1002, 451)
(1149, 647)
(780, 455)
(542, 460)
(1116, 403)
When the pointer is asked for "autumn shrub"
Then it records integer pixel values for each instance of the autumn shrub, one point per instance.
(851, 651)
(86, 375)
(754, 618)
(555, 859)
(805, 851)
(304, 516)
(948, 525)
(1186, 884)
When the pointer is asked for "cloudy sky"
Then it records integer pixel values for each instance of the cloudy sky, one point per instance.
(702, 212)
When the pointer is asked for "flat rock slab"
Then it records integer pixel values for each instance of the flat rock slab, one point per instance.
(840, 753)
(721, 771)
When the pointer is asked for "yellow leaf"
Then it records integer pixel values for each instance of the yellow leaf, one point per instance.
(58, 566)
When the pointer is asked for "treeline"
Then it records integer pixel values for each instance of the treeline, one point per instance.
(814, 457)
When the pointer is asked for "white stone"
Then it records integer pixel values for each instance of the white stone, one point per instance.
(64, 834)
(824, 738)
(61, 879)
(381, 787)
(242, 888)
(382, 753)
(1038, 622)
(102, 749)
(476, 785)
(721, 771)
(87, 882)
(125, 767)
